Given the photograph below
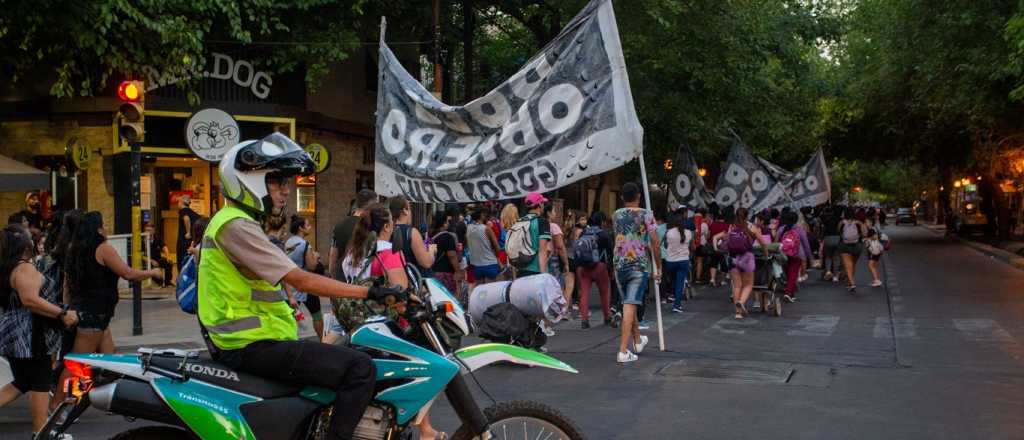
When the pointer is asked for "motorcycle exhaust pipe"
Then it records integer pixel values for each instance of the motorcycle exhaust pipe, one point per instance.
(133, 399)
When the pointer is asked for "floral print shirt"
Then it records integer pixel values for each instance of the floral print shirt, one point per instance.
(632, 239)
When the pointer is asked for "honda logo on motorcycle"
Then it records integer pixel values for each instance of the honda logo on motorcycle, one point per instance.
(210, 371)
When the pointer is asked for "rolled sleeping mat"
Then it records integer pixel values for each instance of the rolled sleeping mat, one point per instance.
(537, 296)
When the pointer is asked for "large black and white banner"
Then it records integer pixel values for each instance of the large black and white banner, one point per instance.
(688, 187)
(809, 185)
(567, 114)
(745, 182)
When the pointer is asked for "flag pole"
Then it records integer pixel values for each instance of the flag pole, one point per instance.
(654, 264)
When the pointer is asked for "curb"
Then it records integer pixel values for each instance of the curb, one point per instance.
(1005, 256)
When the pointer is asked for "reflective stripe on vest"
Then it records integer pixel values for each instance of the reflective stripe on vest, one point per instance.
(237, 325)
(237, 310)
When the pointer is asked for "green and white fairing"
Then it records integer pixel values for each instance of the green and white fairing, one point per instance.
(478, 356)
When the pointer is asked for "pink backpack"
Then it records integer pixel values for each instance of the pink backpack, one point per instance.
(790, 243)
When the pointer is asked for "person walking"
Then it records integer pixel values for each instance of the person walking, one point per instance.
(717, 260)
(186, 217)
(830, 219)
(594, 248)
(483, 247)
(407, 239)
(299, 251)
(738, 241)
(875, 251)
(93, 269)
(851, 230)
(678, 243)
(30, 327)
(558, 260)
(342, 232)
(536, 235)
(446, 266)
(636, 238)
(797, 249)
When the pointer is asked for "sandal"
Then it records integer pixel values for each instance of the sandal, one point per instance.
(739, 310)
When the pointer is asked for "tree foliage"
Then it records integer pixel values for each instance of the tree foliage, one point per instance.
(76, 46)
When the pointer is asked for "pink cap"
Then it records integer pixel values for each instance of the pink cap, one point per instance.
(534, 199)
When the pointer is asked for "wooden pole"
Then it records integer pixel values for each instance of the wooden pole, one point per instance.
(654, 264)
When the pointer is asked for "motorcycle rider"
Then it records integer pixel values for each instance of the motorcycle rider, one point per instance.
(241, 275)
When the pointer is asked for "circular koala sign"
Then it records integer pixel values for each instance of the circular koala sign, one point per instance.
(210, 133)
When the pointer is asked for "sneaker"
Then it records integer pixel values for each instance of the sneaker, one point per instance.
(789, 298)
(677, 310)
(876, 283)
(851, 288)
(639, 346)
(835, 278)
(757, 304)
(827, 276)
(584, 325)
(623, 358)
(549, 332)
(802, 278)
(644, 325)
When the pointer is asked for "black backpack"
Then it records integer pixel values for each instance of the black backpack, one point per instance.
(504, 323)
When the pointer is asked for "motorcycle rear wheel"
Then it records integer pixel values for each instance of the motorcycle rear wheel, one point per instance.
(155, 433)
(525, 419)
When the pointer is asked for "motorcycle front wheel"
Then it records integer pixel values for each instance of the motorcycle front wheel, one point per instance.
(525, 419)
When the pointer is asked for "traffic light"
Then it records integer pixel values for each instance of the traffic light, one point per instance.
(132, 111)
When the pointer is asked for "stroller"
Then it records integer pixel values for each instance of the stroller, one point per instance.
(769, 277)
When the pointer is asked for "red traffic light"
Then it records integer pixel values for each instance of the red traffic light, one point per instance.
(130, 91)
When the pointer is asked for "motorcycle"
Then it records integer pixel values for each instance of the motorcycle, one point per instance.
(203, 399)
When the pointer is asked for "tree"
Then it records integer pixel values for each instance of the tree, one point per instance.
(77, 46)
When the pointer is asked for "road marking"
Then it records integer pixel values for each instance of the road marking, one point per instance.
(815, 325)
(729, 324)
(982, 330)
(675, 319)
(906, 328)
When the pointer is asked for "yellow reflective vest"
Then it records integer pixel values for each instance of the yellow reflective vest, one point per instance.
(236, 310)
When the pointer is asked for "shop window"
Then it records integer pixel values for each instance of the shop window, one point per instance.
(305, 190)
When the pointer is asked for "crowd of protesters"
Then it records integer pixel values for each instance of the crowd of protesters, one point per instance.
(59, 288)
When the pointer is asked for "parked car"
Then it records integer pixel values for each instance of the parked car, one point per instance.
(906, 215)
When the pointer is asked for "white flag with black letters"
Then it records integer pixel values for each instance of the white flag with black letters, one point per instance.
(566, 115)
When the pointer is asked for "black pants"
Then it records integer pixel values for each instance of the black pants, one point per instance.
(166, 266)
(348, 372)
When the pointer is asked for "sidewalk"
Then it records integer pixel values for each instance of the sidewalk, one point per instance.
(1010, 252)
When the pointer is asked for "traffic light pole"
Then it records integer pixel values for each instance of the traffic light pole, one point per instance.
(136, 241)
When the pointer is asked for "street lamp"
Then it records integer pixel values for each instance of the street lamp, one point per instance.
(668, 164)
(956, 184)
(702, 172)
(857, 189)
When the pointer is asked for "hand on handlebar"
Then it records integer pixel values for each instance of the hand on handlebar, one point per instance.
(386, 295)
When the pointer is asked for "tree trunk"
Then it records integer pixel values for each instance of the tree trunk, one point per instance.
(468, 30)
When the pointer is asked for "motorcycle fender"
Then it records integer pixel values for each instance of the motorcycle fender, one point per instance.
(478, 356)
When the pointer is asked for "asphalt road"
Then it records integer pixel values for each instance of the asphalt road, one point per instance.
(936, 354)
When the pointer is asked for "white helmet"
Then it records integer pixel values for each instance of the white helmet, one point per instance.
(245, 167)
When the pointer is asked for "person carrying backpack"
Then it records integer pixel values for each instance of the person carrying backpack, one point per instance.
(527, 240)
(738, 241)
(797, 249)
(592, 249)
(851, 230)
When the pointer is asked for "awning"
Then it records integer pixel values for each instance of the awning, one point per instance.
(16, 176)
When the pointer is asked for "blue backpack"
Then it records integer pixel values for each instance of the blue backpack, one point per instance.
(187, 289)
